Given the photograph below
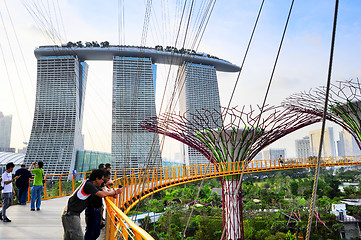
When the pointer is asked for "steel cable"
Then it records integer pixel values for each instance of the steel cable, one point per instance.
(317, 170)
(258, 121)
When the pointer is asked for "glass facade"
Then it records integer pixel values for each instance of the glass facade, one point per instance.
(200, 91)
(61, 84)
(133, 102)
(56, 131)
(88, 160)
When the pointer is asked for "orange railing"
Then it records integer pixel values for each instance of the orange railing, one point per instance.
(120, 226)
(57, 185)
(141, 183)
(53, 185)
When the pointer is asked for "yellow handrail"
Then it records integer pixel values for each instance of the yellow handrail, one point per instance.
(123, 224)
(145, 182)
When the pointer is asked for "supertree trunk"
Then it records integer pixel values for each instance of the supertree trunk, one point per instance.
(238, 137)
(230, 145)
(232, 212)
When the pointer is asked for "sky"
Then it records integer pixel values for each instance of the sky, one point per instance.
(302, 65)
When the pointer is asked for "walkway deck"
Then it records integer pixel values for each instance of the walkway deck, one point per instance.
(43, 224)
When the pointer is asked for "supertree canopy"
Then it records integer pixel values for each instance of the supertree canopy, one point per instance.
(230, 136)
(344, 106)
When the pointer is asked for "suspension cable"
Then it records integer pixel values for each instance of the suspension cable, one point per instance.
(245, 56)
(258, 121)
(195, 201)
(317, 172)
(148, 162)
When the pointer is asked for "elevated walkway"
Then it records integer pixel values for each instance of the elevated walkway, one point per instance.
(43, 224)
(141, 183)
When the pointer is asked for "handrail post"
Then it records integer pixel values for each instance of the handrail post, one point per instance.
(166, 175)
(160, 175)
(128, 189)
(60, 184)
(153, 175)
(45, 194)
(174, 175)
(29, 190)
(115, 175)
(73, 182)
(148, 183)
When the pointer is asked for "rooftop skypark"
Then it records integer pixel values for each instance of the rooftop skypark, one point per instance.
(159, 54)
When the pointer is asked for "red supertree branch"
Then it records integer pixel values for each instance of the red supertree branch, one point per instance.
(231, 135)
(344, 106)
(275, 123)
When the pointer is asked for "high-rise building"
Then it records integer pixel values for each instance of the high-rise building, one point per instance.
(62, 73)
(347, 145)
(303, 147)
(328, 147)
(199, 91)
(5, 131)
(56, 132)
(258, 156)
(133, 102)
(274, 153)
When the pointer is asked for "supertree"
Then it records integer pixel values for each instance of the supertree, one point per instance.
(230, 136)
(344, 106)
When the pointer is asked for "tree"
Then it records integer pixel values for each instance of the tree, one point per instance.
(294, 188)
(145, 223)
(262, 234)
(277, 236)
(350, 191)
(209, 229)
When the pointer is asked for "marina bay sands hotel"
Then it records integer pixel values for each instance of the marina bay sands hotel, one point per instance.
(56, 134)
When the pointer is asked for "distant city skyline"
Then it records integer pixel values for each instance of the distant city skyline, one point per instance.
(274, 153)
(328, 146)
(302, 65)
(338, 143)
(303, 147)
(5, 130)
(346, 145)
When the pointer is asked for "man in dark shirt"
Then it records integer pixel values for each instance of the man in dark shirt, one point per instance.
(93, 213)
(79, 201)
(108, 167)
(22, 183)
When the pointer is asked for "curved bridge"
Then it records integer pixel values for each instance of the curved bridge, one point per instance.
(144, 182)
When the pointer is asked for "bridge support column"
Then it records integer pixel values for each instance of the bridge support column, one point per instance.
(232, 209)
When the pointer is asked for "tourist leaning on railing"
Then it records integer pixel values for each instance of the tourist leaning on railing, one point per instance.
(81, 199)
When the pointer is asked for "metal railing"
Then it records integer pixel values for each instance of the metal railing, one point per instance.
(56, 185)
(120, 226)
(348, 219)
(142, 183)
